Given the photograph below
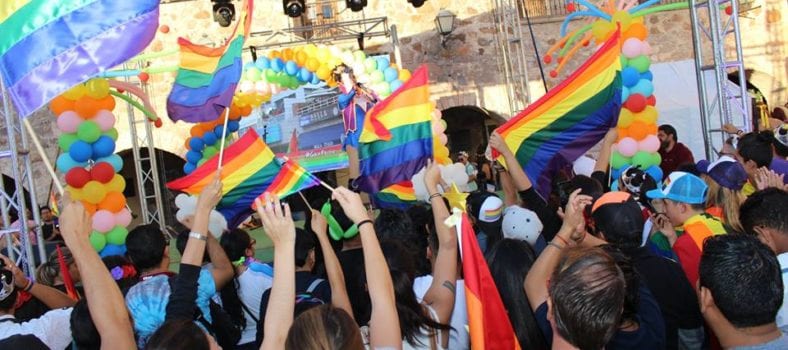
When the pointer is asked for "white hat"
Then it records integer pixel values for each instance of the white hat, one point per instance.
(520, 223)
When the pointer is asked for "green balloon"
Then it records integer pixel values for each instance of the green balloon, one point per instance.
(253, 74)
(209, 152)
(88, 131)
(370, 65)
(656, 159)
(359, 56)
(117, 235)
(640, 63)
(270, 75)
(201, 162)
(617, 161)
(624, 61)
(376, 76)
(97, 240)
(112, 133)
(642, 159)
(65, 141)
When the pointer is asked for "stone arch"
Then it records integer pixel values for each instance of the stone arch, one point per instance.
(468, 127)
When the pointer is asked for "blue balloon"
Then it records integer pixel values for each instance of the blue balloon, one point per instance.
(291, 68)
(193, 156)
(218, 131)
(383, 63)
(103, 147)
(390, 74)
(111, 249)
(209, 138)
(396, 84)
(277, 64)
(616, 173)
(647, 75)
(114, 160)
(64, 163)
(656, 172)
(263, 63)
(629, 76)
(80, 151)
(315, 80)
(624, 93)
(305, 75)
(233, 126)
(196, 144)
(643, 87)
(248, 65)
(614, 185)
(188, 168)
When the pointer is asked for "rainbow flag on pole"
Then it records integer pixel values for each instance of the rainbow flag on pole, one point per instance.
(396, 140)
(561, 126)
(397, 196)
(48, 46)
(292, 178)
(488, 321)
(207, 77)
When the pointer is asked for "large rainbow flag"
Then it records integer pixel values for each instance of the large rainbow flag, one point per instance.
(488, 322)
(561, 126)
(207, 77)
(48, 46)
(397, 196)
(248, 168)
(396, 140)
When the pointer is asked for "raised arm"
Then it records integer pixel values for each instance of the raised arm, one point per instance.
(278, 225)
(384, 323)
(603, 161)
(102, 294)
(516, 172)
(571, 233)
(510, 196)
(336, 278)
(440, 295)
(222, 271)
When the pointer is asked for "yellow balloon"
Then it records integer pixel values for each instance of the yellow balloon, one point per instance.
(117, 184)
(310, 49)
(648, 115)
(76, 92)
(76, 193)
(94, 192)
(300, 58)
(323, 54)
(404, 75)
(625, 119)
(323, 73)
(312, 64)
(624, 18)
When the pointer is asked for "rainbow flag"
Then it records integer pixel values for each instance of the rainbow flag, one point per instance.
(53, 204)
(397, 196)
(561, 126)
(488, 321)
(396, 140)
(48, 46)
(207, 77)
(249, 168)
(292, 178)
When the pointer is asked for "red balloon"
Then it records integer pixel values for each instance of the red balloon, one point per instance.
(548, 59)
(651, 100)
(102, 172)
(157, 123)
(143, 77)
(636, 103)
(77, 177)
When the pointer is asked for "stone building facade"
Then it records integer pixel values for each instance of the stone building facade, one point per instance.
(464, 73)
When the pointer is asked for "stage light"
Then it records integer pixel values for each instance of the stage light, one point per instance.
(223, 12)
(356, 5)
(417, 3)
(294, 8)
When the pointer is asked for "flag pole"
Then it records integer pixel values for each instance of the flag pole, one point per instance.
(305, 201)
(224, 136)
(43, 154)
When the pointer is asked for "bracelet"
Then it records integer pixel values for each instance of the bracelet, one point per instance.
(367, 221)
(435, 195)
(199, 236)
(553, 244)
(30, 284)
(739, 132)
(562, 240)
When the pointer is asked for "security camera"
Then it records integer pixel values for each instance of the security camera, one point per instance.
(223, 12)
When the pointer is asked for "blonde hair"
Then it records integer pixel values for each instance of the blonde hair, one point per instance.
(324, 328)
(49, 272)
(728, 200)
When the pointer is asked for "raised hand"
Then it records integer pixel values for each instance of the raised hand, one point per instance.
(277, 221)
(20, 280)
(766, 178)
(75, 222)
(351, 203)
(319, 223)
(211, 194)
(498, 143)
(432, 176)
(573, 215)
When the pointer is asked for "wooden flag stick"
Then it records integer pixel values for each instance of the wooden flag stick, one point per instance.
(305, 201)
(224, 136)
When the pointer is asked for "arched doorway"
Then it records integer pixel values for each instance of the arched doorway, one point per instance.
(468, 128)
(170, 167)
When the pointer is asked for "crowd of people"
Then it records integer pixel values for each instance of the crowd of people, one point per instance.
(690, 263)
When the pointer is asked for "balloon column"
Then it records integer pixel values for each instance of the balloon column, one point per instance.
(439, 138)
(206, 137)
(637, 143)
(84, 116)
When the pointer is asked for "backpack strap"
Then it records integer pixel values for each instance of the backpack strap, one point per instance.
(249, 312)
(313, 285)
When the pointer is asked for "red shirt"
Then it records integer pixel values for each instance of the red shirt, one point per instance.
(677, 156)
(689, 246)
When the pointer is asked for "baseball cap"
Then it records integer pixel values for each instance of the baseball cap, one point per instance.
(522, 224)
(781, 134)
(485, 207)
(6, 284)
(727, 172)
(681, 187)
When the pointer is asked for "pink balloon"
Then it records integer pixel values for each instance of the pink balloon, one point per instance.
(632, 48)
(646, 49)
(105, 120)
(627, 147)
(103, 221)
(443, 139)
(649, 144)
(68, 121)
(123, 217)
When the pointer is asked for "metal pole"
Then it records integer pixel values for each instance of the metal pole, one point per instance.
(395, 43)
(698, 46)
(31, 184)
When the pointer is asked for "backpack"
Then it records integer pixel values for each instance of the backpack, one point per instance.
(226, 332)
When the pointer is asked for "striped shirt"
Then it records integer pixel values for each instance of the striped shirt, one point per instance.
(689, 246)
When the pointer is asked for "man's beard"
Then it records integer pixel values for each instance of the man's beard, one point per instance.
(663, 145)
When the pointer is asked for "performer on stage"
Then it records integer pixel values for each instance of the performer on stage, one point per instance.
(355, 101)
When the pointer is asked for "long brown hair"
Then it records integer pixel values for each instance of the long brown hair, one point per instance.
(49, 271)
(324, 327)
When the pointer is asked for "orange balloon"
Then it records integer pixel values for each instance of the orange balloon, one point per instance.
(235, 111)
(636, 30)
(246, 110)
(638, 130)
(60, 104)
(622, 134)
(113, 202)
(87, 107)
(107, 103)
(90, 208)
(196, 131)
(287, 54)
(300, 58)
(274, 54)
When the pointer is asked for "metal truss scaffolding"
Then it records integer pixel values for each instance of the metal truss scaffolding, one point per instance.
(722, 104)
(17, 152)
(512, 59)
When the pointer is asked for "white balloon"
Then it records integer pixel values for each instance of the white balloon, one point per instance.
(186, 207)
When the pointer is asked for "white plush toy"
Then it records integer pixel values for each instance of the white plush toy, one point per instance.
(454, 173)
(186, 204)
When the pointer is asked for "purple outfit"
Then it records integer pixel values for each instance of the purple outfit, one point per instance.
(354, 110)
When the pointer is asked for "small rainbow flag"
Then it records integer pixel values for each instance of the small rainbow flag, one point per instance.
(249, 167)
(397, 196)
(53, 203)
(48, 46)
(292, 178)
(207, 77)
(562, 125)
(396, 140)
(488, 321)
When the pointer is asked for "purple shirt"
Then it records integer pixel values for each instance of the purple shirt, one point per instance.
(780, 166)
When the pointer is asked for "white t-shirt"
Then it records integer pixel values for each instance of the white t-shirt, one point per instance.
(782, 315)
(252, 285)
(458, 337)
(53, 328)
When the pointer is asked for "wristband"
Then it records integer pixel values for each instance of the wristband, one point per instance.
(367, 221)
(557, 246)
(435, 195)
(199, 236)
(562, 240)
(30, 284)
